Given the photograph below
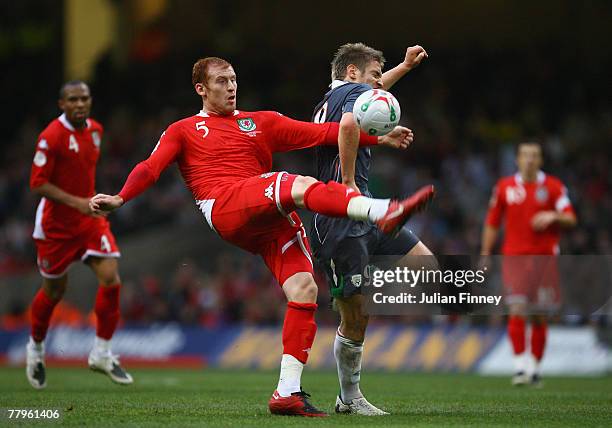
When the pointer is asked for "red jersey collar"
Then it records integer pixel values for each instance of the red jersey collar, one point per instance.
(539, 178)
(64, 121)
(202, 113)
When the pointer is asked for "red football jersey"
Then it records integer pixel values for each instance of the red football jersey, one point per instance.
(214, 152)
(67, 158)
(516, 202)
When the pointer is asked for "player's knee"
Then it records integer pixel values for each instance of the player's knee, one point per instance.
(353, 323)
(107, 271)
(110, 277)
(354, 330)
(54, 288)
(517, 309)
(419, 257)
(109, 280)
(299, 188)
(303, 182)
(308, 290)
(301, 288)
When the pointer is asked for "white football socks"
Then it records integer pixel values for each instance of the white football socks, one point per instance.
(520, 363)
(348, 355)
(101, 346)
(290, 375)
(363, 208)
(534, 365)
(36, 346)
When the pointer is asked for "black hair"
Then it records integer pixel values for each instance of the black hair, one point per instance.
(62, 91)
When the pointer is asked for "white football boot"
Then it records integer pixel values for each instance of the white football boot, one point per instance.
(520, 379)
(358, 406)
(35, 364)
(108, 364)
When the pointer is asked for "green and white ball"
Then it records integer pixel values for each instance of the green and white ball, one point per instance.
(376, 112)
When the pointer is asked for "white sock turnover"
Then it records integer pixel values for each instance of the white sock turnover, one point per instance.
(364, 208)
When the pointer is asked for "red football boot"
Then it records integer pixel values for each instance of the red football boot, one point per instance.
(400, 211)
(295, 405)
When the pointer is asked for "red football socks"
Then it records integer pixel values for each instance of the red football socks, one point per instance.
(538, 340)
(107, 310)
(42, 309)
(299, 330)
(516, 332)
(329, 199)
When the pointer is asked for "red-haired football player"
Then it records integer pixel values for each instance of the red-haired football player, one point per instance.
(225, 157)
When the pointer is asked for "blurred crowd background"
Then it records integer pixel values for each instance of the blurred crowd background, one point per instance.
(498, 73)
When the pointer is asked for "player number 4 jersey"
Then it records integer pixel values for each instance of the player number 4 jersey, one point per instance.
(67, 158)
(515, 203)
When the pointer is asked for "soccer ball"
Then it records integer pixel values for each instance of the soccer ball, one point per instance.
(376, 112)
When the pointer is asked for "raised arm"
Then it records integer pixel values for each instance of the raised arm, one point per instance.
(414, 56)
(144, 175)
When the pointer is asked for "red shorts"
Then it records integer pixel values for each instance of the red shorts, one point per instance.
(257, 215)
(54, 256)
(532, 280)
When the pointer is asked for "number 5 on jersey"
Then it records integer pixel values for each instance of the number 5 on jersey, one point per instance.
(201, 126)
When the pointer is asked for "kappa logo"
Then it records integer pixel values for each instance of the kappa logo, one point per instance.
(267, 175)
(356, 280)
(247, 124)
(269, 192)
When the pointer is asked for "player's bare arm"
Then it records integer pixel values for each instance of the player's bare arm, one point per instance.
(489, 237)
(102, 203)
(414, 56)
(544, 219)
(399, 138)
(348, 143)
(54, 193)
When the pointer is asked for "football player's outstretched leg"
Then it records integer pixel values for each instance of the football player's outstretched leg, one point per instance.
(224, 156)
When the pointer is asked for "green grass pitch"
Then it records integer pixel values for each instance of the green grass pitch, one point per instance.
(184, 398)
